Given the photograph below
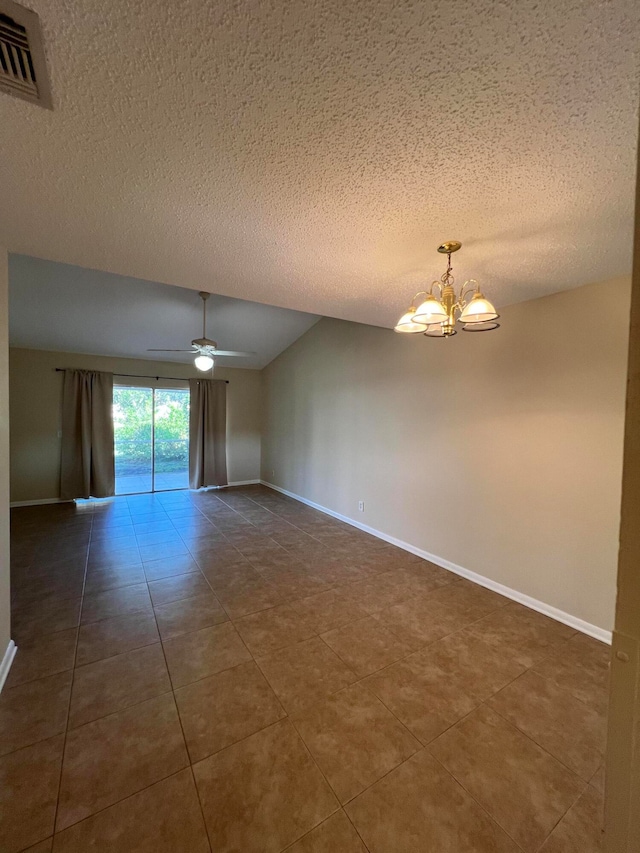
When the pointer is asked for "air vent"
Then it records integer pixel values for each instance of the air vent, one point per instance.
(23, 71)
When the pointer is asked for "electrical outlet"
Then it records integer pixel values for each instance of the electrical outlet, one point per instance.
(361, 506)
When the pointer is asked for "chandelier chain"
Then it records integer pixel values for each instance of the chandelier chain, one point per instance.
(447, 278)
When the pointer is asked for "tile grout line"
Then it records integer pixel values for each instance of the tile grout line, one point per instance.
(477, 802)
(184, 739)
(73, 670)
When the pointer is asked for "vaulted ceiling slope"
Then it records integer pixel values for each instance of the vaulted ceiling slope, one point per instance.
(66, 308)
(312, 154)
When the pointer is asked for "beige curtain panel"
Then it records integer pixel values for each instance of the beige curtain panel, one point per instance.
(208, 433)
(87, 465)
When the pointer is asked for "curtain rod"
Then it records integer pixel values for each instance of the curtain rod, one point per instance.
(144, 376)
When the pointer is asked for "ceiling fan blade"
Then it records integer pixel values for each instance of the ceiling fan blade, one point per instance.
(226, 353)
(171, 350)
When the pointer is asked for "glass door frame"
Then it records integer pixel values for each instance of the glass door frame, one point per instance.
(159, 385)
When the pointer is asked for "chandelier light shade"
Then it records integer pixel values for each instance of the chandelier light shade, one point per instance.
(437, 315)
(203, 362)
(407, 322)
(478, 310)
(430, 311)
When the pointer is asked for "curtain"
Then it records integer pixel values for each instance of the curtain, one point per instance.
(207, 433)
(87, 464)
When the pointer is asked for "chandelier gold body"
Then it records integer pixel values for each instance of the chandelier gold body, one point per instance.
(436, 316)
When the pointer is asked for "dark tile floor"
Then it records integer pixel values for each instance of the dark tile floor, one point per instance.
(232, 671)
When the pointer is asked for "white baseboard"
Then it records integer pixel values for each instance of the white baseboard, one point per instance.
(245, 483)
(39, 502)
(533, 603)
(7, 660)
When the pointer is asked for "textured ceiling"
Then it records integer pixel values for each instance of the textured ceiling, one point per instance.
(69, 309)
(313, 153)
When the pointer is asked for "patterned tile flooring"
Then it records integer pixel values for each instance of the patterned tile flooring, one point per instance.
(233, 671)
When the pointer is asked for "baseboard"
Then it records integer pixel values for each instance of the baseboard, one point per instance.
(7, 660)
(43, 501)
(533, 603)
(39, 502)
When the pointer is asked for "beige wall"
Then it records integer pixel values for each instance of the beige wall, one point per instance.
(36, 394)
(501, 452)
(5, 598)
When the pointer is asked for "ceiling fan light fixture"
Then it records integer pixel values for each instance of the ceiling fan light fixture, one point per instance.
(203, 362)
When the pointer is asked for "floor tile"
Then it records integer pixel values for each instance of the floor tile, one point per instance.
(293, 586)
(589, 684)
(198, 654)
(419, 807)
(164, 818)
(355, 740)
(29, 780)
(586, 652)
(366, 646)
(304, 674)
(328, 610)
(470, 598)
(580, 830)
(423, 698)
(263, 793)
(379, 592)
(39, 619)
(114, 557)
(164, 549)
(254, 597)
(224, 708)
(43, 656)
(45, 846)
(34, 711)
(98, 580)
(115, 602)
(158, 537)
(176, 588)
(478, 669)
(414, 622)
(118, 755)
(597, 780)
(170, 567)
(334, 835)
(114, 636)
(520, 634)
(520, 785)
(571, 731)
(273, 629)
(189, 614)
(114, 683)
(428, 647)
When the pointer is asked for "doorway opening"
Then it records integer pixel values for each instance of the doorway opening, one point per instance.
(151, 436)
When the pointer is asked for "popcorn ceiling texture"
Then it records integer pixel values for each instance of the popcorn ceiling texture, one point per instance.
(312, 154)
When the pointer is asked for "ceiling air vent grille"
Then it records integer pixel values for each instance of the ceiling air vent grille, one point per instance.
(23, 72)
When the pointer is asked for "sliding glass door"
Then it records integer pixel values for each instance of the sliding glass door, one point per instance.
(151, 429)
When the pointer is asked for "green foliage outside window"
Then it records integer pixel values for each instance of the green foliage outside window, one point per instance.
(132, 420)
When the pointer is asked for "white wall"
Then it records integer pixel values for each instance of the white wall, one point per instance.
(36, 398)
(499, 452)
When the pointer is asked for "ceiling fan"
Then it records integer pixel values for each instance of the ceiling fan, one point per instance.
(204, 349)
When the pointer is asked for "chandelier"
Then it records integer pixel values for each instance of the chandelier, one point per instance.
(436, 315)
